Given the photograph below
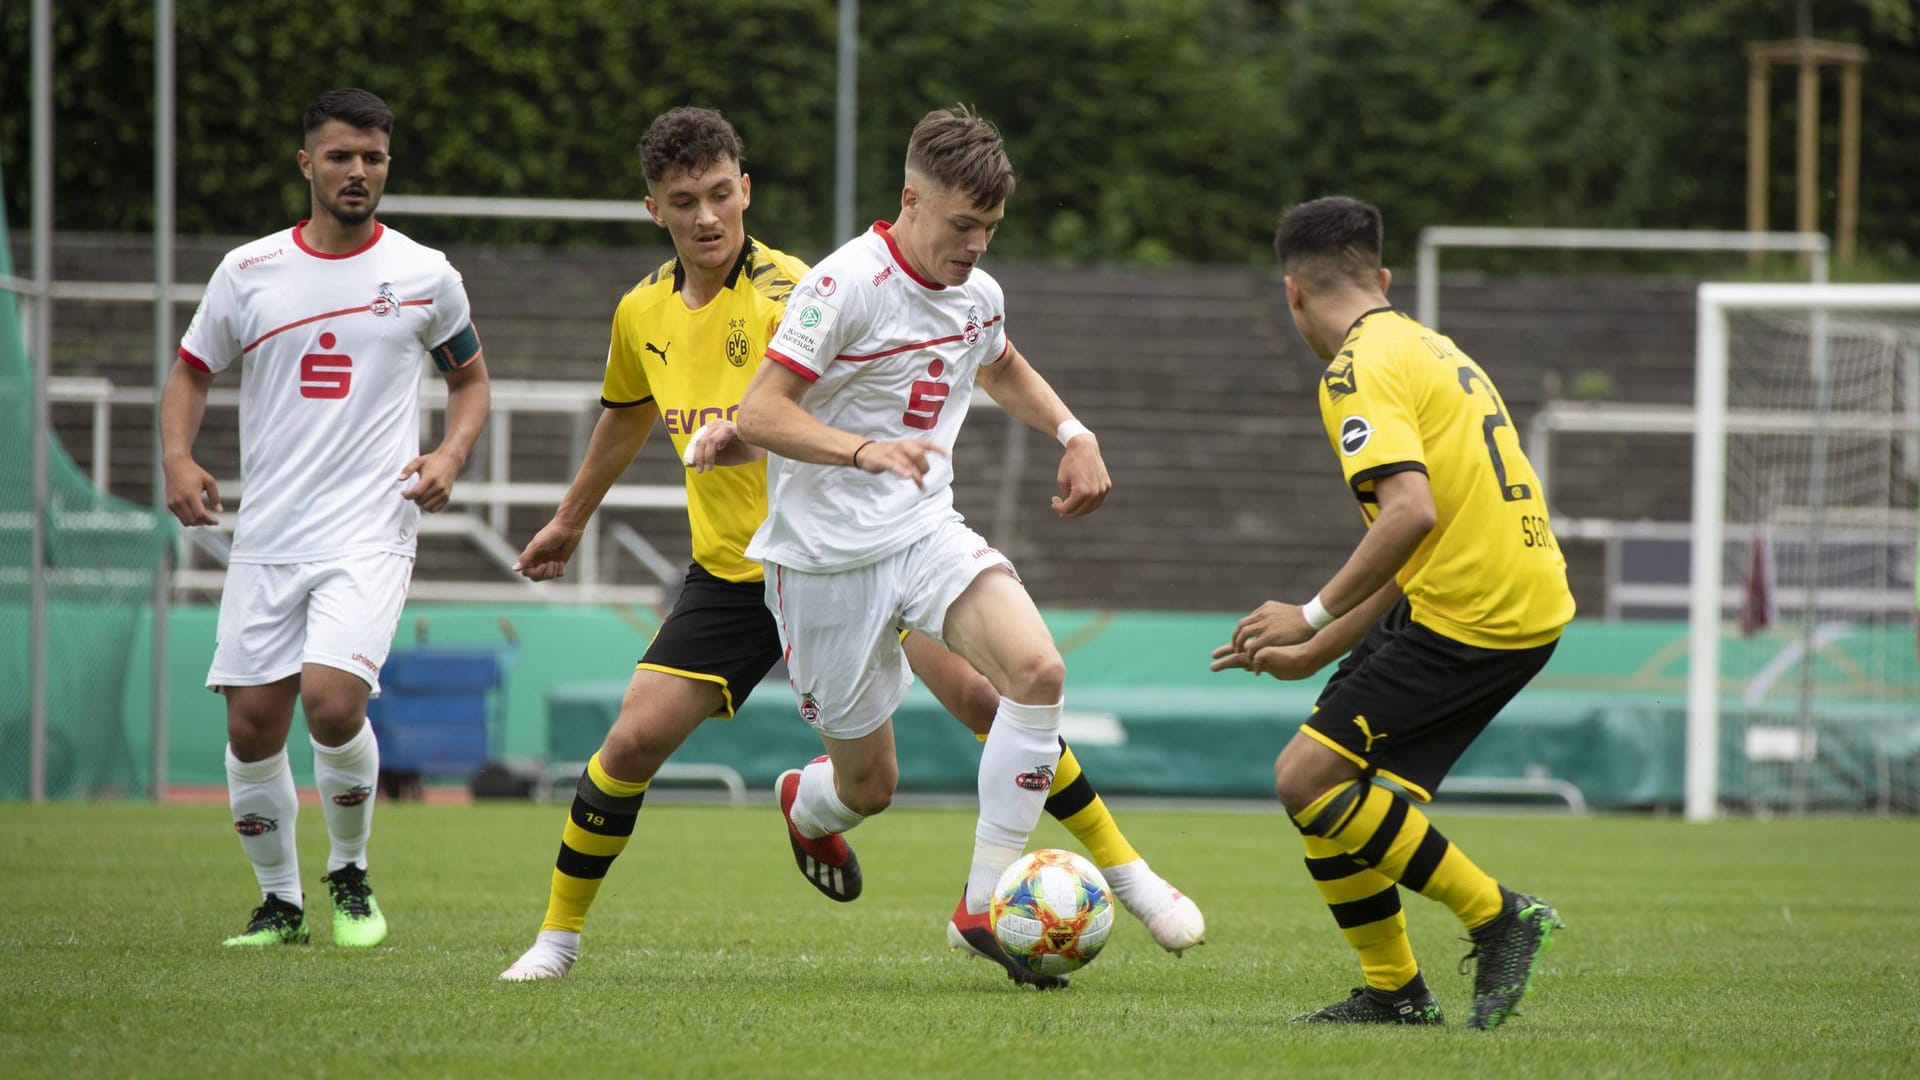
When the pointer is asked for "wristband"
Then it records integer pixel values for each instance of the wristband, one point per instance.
(856, 452)
(1316, 614)
(1068, 429)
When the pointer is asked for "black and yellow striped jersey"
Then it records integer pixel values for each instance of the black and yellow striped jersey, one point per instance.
(694, 365)
(1400, 396)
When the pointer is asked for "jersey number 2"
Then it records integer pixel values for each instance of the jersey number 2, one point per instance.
(1492, 422)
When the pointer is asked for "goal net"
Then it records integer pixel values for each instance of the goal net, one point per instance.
(1804, 691)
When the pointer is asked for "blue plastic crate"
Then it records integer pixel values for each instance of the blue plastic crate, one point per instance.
(432, 713)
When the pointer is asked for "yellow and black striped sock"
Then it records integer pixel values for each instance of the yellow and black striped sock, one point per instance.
(1074, 803)
(1384, 832)
(1367, 906)
(597, 831)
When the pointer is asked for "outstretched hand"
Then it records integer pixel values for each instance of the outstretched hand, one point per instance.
(1272, 623)
(1083, 479)
(1284, 662)
(901, 457)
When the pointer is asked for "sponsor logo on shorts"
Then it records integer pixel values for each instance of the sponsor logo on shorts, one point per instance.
(255, 825)
(1040, 779)
(354, 796)
(366, 661)
(809, 709)
(1361, 723)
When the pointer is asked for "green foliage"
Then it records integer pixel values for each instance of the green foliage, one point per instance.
(1142, 130)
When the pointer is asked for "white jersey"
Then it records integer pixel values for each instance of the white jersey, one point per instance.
(890, 356)
(330, 387)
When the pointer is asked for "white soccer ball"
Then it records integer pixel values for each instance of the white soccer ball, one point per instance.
(1052, 911)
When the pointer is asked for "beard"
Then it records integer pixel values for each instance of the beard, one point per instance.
(347, 216)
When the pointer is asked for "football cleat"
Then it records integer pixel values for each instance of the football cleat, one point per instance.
(1508, 950)
(357, 922)
(1367, 1005)
(1170, 915)
(274, 922)
(827, 862)
(973, 934)
(550, 957)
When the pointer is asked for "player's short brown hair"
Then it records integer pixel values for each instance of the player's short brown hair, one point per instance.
(958, 150)
(362, 109)
(689, 139)
(1330, 241)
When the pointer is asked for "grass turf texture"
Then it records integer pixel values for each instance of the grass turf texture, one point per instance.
(1779, 949)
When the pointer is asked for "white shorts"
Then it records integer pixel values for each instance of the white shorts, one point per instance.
(274, 617)
(840, 632)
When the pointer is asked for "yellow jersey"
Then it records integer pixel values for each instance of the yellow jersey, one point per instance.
(694, 365)
(1400, 397)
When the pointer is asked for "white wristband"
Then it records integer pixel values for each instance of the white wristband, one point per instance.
(1068, 429)
(1316, 614)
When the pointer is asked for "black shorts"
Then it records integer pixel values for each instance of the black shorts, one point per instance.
(1408, 702)
(719, 632)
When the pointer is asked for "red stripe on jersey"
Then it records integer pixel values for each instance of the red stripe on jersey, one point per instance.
(323, 315)
(378, 229)
(917, 345)
(793, 365)
(194, 360)
(886, 233)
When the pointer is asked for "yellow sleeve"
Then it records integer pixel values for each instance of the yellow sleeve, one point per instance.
(625, 383)
(1370, 413)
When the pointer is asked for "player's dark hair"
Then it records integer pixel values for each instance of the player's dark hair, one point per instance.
(689, 139)
(1329, 241)
(350, 105)
(960, 151)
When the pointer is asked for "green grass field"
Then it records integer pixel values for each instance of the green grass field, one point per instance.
(1743, 948)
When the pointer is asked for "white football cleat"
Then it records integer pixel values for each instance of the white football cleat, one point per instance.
(551, 957)
(1170, 916)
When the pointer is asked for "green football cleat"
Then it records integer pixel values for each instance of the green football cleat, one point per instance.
(1508, 950)
(274, 922)
(1369, 1006)
(357, 922)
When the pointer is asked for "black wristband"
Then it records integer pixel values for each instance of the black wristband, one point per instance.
(856, 452)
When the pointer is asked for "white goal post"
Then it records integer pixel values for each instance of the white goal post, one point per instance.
(1822, 306)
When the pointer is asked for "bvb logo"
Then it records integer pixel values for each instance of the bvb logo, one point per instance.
(737, 349)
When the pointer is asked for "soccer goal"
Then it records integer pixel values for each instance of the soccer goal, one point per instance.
(1803, 687)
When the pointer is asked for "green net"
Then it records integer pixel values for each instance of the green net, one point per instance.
(101, 556)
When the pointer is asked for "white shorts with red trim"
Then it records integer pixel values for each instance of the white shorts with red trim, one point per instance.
(341, 613)
(840, 632)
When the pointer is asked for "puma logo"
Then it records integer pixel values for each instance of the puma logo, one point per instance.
(1361, 723)
(661, 353)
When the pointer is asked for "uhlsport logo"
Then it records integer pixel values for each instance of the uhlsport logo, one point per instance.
(255, 825)
(809, 709)
(354, 796)
(825, 287)
(1040, 779)
(1354, 433)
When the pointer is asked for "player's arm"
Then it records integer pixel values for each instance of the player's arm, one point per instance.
(192, 495)
(772, 417)
(469, 396)
(1027, 396)
(617, 438)
(1406, 516)
(1290, 662)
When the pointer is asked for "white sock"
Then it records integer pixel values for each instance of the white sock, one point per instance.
(1016, 769)
(817, 809)
(264, 806)
(348, 777)
(1138, 888)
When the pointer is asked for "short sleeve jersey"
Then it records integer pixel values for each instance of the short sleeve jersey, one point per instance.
(1400, 397)
(331, 351)
(890, 356)
(694, 365)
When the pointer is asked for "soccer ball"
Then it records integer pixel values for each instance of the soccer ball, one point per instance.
(1052, 911)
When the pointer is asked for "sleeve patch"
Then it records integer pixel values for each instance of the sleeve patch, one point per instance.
(805, 327)
(457, 351)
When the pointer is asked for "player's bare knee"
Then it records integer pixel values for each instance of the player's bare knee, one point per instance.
(870, 794)
(628, 754)
(333, 718)
(1039, 679)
